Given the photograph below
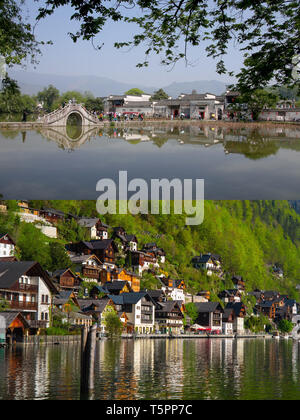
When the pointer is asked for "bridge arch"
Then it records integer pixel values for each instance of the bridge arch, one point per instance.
(75, 118)
(59, 117)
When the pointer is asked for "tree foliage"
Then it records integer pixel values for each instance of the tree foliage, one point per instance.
(113, 325)
(134, 92)
(17, 40)
(48, 96)
(266, 32)
(158, 95)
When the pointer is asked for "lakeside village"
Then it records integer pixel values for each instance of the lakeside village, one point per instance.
(98, 290)
(194, 106)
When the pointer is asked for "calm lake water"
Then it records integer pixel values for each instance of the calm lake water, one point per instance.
(157, 369)
(67, 163)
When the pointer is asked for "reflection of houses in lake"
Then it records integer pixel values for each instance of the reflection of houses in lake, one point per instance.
(136, 137)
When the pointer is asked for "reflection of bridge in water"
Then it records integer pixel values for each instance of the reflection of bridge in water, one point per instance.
(66, 139)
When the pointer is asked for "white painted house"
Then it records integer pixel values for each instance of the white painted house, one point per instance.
(28, 289)
(7, 246)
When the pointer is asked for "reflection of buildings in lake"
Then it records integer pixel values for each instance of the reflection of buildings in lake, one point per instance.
(41, 373)
(295, 360)
(20, 384)
(136, 137)
(67, 140)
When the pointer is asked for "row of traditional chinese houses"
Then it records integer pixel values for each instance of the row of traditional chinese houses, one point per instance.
(204, 106)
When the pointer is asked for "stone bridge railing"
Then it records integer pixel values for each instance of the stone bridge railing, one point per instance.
(60, 116)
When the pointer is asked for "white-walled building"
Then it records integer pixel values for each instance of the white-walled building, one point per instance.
(28, 289)
(7, 246)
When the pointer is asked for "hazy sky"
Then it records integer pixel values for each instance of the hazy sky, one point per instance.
(66, 58)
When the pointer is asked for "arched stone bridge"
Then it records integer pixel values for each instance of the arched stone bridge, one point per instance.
(60, 116)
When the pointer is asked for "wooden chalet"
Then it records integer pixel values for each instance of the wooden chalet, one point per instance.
(142, 261)
(209, 315)
(67, 280)
(121, 274)
(88, 267)
(239, 283)
(152, 249)
(169, 317)
(7, 247)
(52, 216)
(64, 299)
(267, 308)
(230, 295)
(129, 242)
(103, 249)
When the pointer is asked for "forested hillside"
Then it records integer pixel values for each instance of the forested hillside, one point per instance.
(250, 237)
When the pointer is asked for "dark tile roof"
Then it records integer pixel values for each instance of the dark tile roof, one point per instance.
(11, 271)
(235, 306)
(98, 243)
(207, 306)
(130, 298)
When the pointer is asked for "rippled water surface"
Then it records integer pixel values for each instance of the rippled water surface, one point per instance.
(157, 369)
(66, 163)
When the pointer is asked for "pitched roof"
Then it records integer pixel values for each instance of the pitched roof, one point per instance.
(207, 306)
(98, 243)
(11, 271)
(236, 307)
(87, 222)
(130, 298)
(3, 234)
(10, 316)
(167, 306)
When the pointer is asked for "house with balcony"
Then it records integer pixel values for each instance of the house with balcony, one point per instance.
(121, 274)
(230, 295)
(209, 315)
(235, 313)
(66, 280)
(142, 261)
(139, 309)
(88, 267)
(104, 250)
(152, 249)
(7, 247)
(28, 289)
(169, 317)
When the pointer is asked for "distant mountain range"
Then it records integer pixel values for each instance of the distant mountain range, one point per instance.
(31, 83)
